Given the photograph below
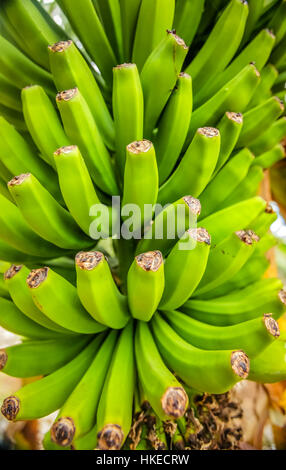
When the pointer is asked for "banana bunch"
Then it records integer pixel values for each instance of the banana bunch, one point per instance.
(171, 107)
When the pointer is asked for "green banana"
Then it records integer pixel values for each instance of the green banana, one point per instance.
(109, 12)
(40, 357)
(82, 130)
(145, 276)
(43, 122)
(8, 253)
(173, 126)
(248, 188)
(4, 190)
(196, 167)
(44, 396)
(15, 280)
(169, 225)
(162, 66)
(114, 414)
(13, 320)
(98, 292)
(20, 70)
(19, 157)
(270, 365)
(270, 138)
(278, 56)
(128, 109)
(5, 174)
(235, 94)
(9, 94)
(220, 46)
(155, 17)
(230, 127)
(77, 416)
(278, 22)
(37, 206)
(256, 52)
(234, 172)
(268, 159)
(88, 27)
(259, 118)
(224, 222)
(268, 77)
(13, 117)
(70, 70)
(208, 371)
(252, 336)
(265, 244)
(141, 183)
(179, 285)
(225, 260)
(240, 305)
(188, 14)
(35, 27)
(255, 8)
(4, 293)
(129, 15)
(164, 392)
(262, 223)
(86, 442)
(58, 300)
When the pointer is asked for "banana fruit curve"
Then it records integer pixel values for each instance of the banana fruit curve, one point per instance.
(128, 109)
(225, 260)
(188, 14)
(268, 77)
(114, 413)
(10, 96)
(270, 138)
(241, 305)
(145, 284)
(230, 127)
(77, 416)
(248, 188)
(129, 15)
(206, 371)
(179, 284)
(164, 392)
(98, 292)
(252, 336)
(196, 167)
(44, 396)
(40, 357)
(163, 65)
(270, 365)
(58, 300)
(15, 280)
(269, 158)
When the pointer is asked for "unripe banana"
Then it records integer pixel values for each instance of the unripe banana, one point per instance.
(114, 414)
(188, 14)
(82, 130)
(162, 66)
(164, 392)
(43, 122)
(155, 17)
(248, 188)
(225, 260)
(252, 336)
(98, 292)
(270, 365)
(230, 127)
(208, 371)
(86, 442)
(70, 70)
(44, 396)
(268, 159)
(173, 126)
(278, 22)
(140, 184)
(128, 109)
(40, 357)
(196, 167)
(109, 12)
(234, 172)
(58, 300)
(145, 284)
(268, 77)
(278, 56)
(270, 138)
(8, 253)
(9, 95)
(179, 284)
(255, 8)
(88, 27)
(77, 416)
(221, 45)
(261, 224)
(129, 15)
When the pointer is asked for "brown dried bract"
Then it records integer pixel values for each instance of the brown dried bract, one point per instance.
(63, 431)
(282, 296)
(3, 358)
(60, 46)
(67, 95)
(17, 180)
(178, 39)
(271, 325)
(65, 150)
(208, 131)
(150, 261)
(10, 408)
(193, 204)
(88, 260)
(37, 277)
(200, 234)
(236, 117)
(12, 271)
(174, 402)
(139, 146)
(124, 66)
(111, 437)
(247, 236)
(240, 364)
